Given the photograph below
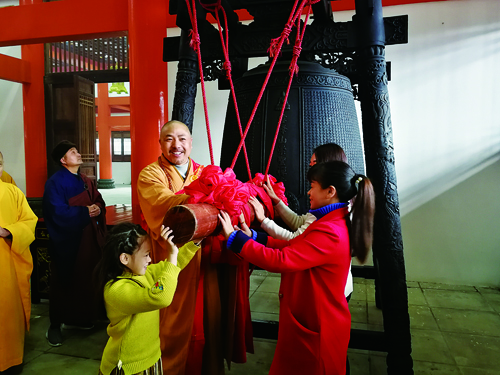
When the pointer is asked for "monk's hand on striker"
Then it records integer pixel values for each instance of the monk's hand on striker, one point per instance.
(227, 226)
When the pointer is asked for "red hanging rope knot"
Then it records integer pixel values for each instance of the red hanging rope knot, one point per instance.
(286, 32)
(294, 68)
(296, 50)
(227, 67)
(195, 40)
(274, 47)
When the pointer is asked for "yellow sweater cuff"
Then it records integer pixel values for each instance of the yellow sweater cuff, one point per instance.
(186, 253)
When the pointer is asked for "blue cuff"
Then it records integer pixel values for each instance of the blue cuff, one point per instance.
(237, 241)
(261, 238)
(231, 238)
(254, 234)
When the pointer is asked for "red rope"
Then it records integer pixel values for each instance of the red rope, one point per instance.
(227, 68)
(195, 44)
(293, 70)
(275, 52)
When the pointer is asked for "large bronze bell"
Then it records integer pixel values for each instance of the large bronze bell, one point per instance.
(320, 109)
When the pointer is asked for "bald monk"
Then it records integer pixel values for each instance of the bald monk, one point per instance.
(187, 343)
(17, 231)
(5, 177)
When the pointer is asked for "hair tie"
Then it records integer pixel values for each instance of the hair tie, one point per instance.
(358, 180)
(127, 241)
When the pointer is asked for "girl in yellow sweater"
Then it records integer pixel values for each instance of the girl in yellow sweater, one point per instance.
(134, 291)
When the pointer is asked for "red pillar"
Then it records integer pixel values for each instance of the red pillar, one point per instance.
(34, 118)
(148, 85)
(104, 128)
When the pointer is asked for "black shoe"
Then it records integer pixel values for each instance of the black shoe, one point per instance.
(54, 336)
(83, 327)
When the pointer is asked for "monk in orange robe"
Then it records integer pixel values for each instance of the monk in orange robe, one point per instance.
(186, 347)
(17, 229)
(5, 177)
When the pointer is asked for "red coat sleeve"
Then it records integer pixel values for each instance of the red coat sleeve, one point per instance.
(304, 252)
(276, 243)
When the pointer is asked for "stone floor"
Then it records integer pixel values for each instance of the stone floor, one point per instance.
(455, 331)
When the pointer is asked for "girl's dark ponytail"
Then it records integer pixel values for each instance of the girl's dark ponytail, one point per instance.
(363, 211)
(356, 188)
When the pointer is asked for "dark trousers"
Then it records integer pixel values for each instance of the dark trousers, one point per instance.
(72, 299)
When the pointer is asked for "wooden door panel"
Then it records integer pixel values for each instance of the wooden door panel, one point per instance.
(70, 115)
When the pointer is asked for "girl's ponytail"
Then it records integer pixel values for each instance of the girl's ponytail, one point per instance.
(356, 188)
(363, 211)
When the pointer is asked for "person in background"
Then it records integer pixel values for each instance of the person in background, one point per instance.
(17, 232)
(75, 215)
(134, 292)
(327, 152)
(5, 177)
(315, 321)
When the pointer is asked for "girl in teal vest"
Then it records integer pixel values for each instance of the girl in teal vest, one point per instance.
(134, 292)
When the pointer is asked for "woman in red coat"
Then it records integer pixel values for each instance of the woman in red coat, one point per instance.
(314, 318)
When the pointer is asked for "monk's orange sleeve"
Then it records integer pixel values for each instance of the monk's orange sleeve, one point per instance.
(155, 198)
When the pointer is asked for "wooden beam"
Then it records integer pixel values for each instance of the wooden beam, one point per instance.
(63, 20)
(119, 123)
(119, 100)
(120, 128)
(89, 19)
(125, 108)
(14, 69)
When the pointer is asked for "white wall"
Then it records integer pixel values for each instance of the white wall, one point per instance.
(12, 124)
(454, 238)
(443, 95)
(446, 129)
(121, 173)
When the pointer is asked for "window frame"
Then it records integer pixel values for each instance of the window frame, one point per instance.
(122, 135)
